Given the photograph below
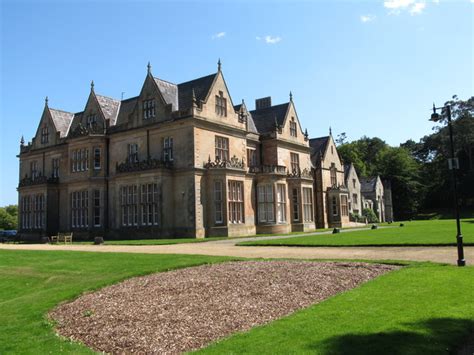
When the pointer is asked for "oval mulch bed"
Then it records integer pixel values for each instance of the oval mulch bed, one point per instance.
(187, 309)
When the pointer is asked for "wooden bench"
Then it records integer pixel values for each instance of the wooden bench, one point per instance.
(62, 238)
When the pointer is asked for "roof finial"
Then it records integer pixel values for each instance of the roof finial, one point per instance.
(46, 101)
(291, 96)
(92, 85)
(194, 99)
(148, 67)
(330, 131)
(22, 141)
(219, 65)
(306, 133)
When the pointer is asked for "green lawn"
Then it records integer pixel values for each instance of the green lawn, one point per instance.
(420, 309)
(438, 232)
(33, 282)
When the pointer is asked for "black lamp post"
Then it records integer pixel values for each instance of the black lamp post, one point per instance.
(453, 165)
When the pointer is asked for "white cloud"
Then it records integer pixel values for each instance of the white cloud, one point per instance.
(269, 39)
(437, 1)
(272, 39)
(367, 18)
(218, 35)
(417, 8)
(395, 7)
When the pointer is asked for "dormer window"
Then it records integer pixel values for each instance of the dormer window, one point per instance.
(44, 135)
(92, 121)
(168, 149)
(133, 153)
(148, 109)
(34, 169)
(221, 104)
(293, 127)
(333, 175)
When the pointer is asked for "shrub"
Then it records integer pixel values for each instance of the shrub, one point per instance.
(370, 215)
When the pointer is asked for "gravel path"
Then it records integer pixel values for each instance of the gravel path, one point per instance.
(434, 254)
(186, 309)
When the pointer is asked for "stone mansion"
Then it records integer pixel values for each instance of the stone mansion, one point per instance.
(178, 160)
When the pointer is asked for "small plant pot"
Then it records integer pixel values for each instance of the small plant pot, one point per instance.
(98, 240)
(336, 231)
(374, 226)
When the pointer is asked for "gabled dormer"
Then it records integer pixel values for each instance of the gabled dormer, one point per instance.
(291, 127)
(324, 153)
(157, 100)
(279, 121)
(246, 117)
(210, 99)
(53, 126)
(91, 120)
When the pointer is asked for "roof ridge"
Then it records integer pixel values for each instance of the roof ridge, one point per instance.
(269, 107)
(166, 81)
(56, 109)
(108, 97)
(131, 98)
(313, 139)
(202, 77)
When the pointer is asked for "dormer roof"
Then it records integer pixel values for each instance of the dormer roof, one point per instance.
(61, 120)
(169, 91)
(201, 87)
(265, 118)
(109, 107)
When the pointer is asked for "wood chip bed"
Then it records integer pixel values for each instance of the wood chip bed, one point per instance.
(186, 309)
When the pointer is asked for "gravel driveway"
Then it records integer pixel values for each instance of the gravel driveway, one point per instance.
(186, 309)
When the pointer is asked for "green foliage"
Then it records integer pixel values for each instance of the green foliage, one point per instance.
(9, 217)
(372, 157)
(370, 215)
(434, 232)
(433, 151)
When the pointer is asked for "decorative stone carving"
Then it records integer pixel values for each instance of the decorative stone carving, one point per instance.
(268, 169)
(80, 131)
(232, 163)
(28, 181)
(305, 173)
(148, 164)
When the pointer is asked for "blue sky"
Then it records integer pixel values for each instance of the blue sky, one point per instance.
(363, 67)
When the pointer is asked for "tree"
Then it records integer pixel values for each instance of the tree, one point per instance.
(372, 157)
(8, 217)
(341, 138)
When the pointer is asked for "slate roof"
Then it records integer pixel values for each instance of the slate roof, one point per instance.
(318, 147)
(62, 120)
(201, 87)
(368, 184)
(110, 108)
(169, 92)
(250, 122)
(265, 118)
(126, 108)
(347, 169)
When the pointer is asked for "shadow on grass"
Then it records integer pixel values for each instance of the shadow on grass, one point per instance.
(433, 336)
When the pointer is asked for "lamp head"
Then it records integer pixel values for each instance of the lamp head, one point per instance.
(435, 117)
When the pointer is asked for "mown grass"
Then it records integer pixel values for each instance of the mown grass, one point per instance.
(33, 282)
(414, 233)
(422, 308)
